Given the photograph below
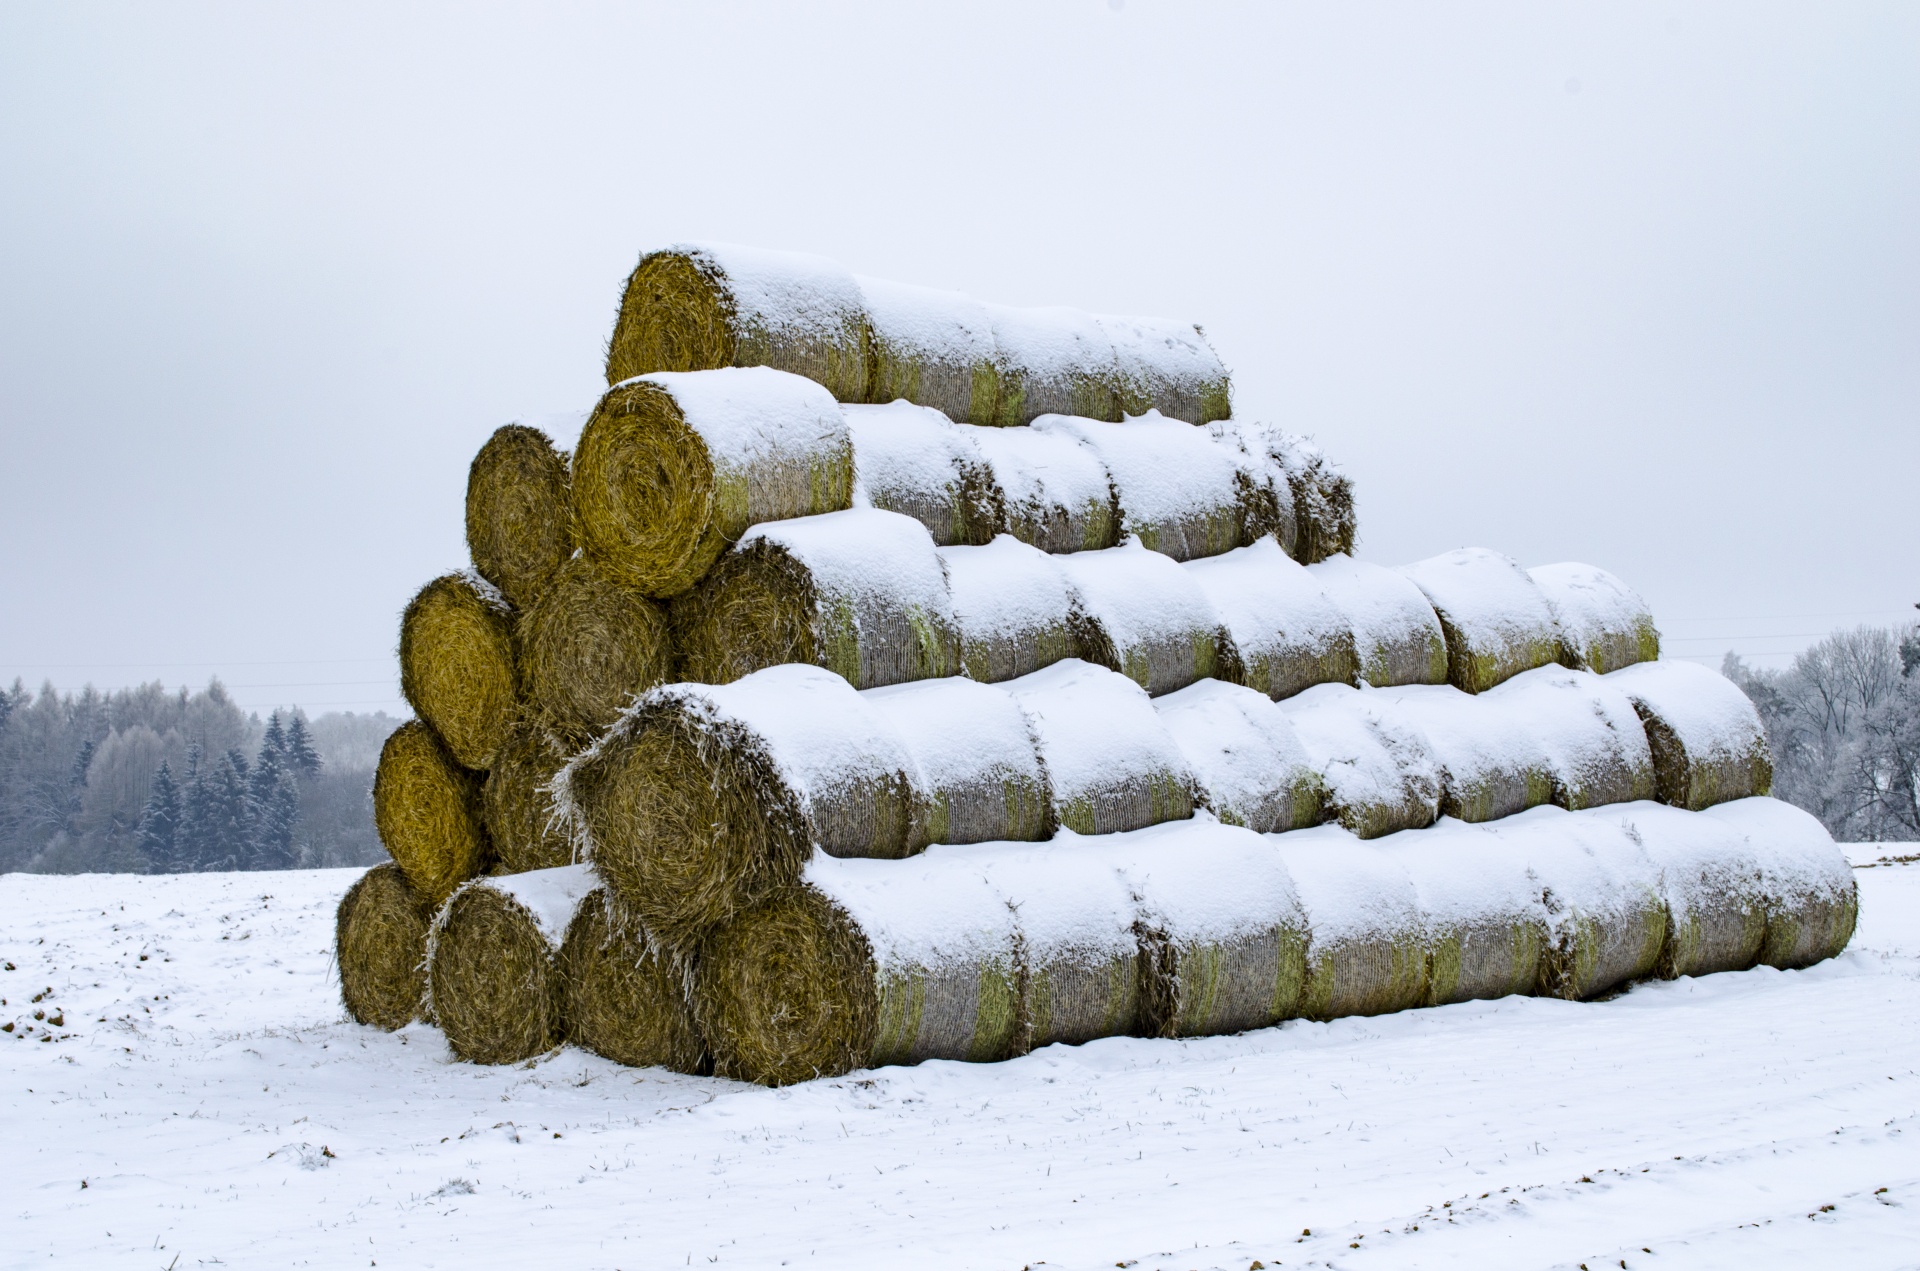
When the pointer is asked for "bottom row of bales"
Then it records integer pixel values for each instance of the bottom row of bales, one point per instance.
(987, 951)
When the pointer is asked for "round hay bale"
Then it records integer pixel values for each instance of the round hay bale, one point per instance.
(1250, 767)
(622, 1000)
(588, 647)
(1013, 609)
(493, 972)
(1111, 761)
(1324, 519)
(699, 306)
(1380, 773)
(426, 809)
(1812, 899)
(859, 592)
(380, 945)
(1366, 954)
(517, 807)
(1497, 621)
(1147, 618)
(456, 664)
(1708, 744)
(1491, 762)
(979, 769)
(911, 460)
(1287, 631)
(1266, 495)
(1396, 636)
(1053, 493)
(702, 801)
(1710, 878)
(1604, 624)
(1165, 365)
(1587, 730)
(1485, 926)
(1179, 490)
(519, 512)
(1052, 361)
(671, 469)
(931, 347)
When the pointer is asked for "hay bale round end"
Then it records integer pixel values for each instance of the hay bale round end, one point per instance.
(622, 1000)
(588, 647)
(456, 665)
(519, 512)
(496, 992)
(425, 808)
(380, 944)
(516, 807)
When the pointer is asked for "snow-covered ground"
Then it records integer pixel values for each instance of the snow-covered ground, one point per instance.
(204, 1102)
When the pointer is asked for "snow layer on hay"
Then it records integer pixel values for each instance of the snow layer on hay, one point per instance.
(960, 732)
(1241, 749)
(865, 554)
(751, 415)
(1391, 619)
(1096, 727)
(1713, 719)
(550, 895)
(795, 293)
(1005, 588)
(929, 910)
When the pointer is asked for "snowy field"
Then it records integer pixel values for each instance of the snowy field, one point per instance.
(203, 1102)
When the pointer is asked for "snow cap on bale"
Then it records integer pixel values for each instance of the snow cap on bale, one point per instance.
(1013, 607)
(1812, 899)
(493, 970)
(1380, 773)
(672, 468)
(1287, 631)
(1052, 492)
(1497, 621)
(912, 460)
(859, 592)
(622, 999)
(380, 946)
(516, 803)
(1604, 624)
(1148, 619)
(1485, 926)
(699, 306)
(1112, 763)
(1710, 878)
(704, 800)
(1708, 743)
(1586, 728)
(1052, 361)
(587, 647)
(931, 347)
(1397, 637)
(519, 512)
(426, 809)
(456, 664)
(1165, 365)
(1250, 767)
(1367, 951)
(975, 759)
(1492, 762)
(1178, 489)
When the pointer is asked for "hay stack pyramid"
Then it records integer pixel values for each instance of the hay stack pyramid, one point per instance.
(888, 675)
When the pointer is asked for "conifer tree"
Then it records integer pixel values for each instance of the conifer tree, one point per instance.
(302, 758)
(227, 835)
(160, 823)
(274, 800)
(274, 741)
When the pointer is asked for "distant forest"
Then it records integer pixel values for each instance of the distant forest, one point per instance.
(145, 780)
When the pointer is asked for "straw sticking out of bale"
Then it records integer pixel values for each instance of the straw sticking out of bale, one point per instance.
(698, 306)
(672, 468)
(1053, 492)
(1250, 767)
(1013, 608)
(1397, 637)
(456, 664)
(859, 592)
(426, 809)
(1149, 620)
(1380, 774)
(1708, 743)
(1710, 879)
(516, 807)
(975, 757)
(621, 1000)
(588, 647)
(1812, 900)
(1321, 495)
(1367, 953)
(1179, 489)
(911, 460)
(1604, 623)
(1288, 633)
(1586, 728)
(1497, 621)
(380, 943)
(1266, 495)
(519, 512)
(1167, 366)
(934, 348)
(1491, 761)
(493, 963)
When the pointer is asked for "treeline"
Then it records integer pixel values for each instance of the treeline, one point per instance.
(1844, 723)
(147, 780)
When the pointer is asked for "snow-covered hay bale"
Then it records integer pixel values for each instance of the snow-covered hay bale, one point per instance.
(519, 512)
(1588, 731)
(1379, 773)
(1497, 621)
(1164, 365)
(1813, 902)
(1052, 361)
(1491, 762)
(1249, 765)
(1325, 523)
(1179, 490)
(704, 800)
(1286, 630)
(1708, 743)
(698, 306)
(912, 460)
(1013, 608)
(1396, 635)
(859, 592)
(588, 646)
(1604, 624)
(1710, 878)
(1146, 618)
(456, 664)
(1485, 926)
(620, 998)
(1111, 761)
(672, 468)
(930, 347)
(426, 808)
(1053, 493)
(493, 972)
(979, 773)
(380, 946)
(516, 806)
(1266, 495)
(1367, 951)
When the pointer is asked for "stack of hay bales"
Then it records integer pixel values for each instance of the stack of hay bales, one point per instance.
(888, 676)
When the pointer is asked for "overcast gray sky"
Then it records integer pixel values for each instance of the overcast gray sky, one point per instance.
(1637, 284)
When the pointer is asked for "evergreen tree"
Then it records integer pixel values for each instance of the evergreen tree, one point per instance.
(302, 758)
(275, 806)
(190, 834)
(227, 833)
(160, 823)
(274, 740)
(77, 778)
